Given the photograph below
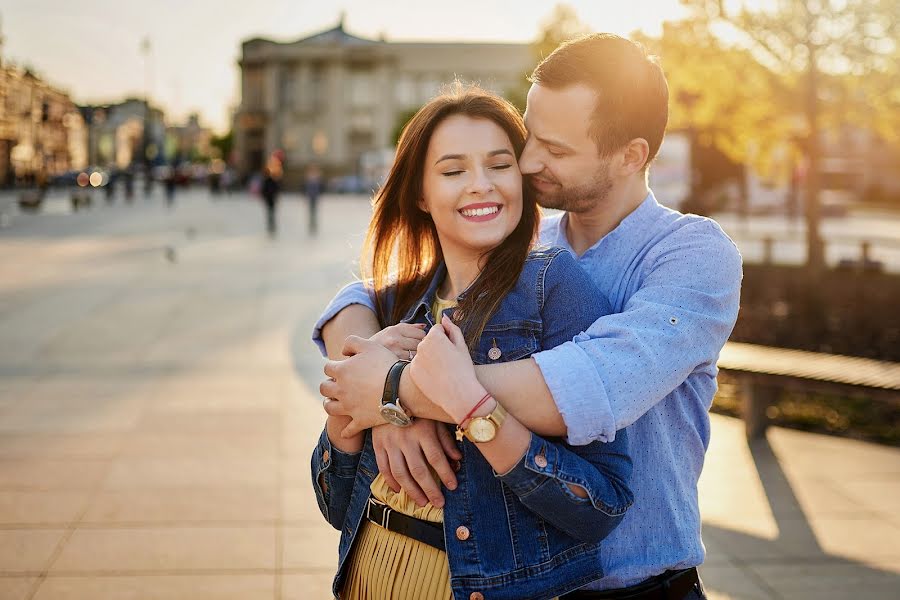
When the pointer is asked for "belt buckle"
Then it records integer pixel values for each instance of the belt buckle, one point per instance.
(385, 513)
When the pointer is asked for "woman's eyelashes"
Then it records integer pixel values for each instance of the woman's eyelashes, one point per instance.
(500, 167)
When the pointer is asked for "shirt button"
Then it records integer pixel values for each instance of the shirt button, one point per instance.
(476, 596)
(325, 456)
(462, 533)
(540, 460)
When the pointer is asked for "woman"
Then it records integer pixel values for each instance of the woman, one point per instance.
(528, 515)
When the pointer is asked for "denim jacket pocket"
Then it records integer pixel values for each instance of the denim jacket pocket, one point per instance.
(506, 342)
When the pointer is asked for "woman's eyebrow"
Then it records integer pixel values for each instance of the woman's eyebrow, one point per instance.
(463, 156)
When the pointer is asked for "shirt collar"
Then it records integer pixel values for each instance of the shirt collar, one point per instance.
(645, 213)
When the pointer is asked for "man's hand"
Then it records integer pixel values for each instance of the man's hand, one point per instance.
(356, 383)
(404, 453)
(401, 339)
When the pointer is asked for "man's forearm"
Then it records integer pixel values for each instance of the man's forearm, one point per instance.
(519, 386)
(357, 320)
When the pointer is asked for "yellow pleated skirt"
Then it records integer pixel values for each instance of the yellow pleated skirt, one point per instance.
(386, 565)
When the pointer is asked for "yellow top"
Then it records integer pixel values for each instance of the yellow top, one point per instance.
(439, 306)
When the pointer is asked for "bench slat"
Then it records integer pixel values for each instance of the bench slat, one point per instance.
(849, 370)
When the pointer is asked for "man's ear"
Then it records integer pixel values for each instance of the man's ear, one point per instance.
(634, 156)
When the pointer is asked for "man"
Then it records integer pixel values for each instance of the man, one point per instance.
(596, 115)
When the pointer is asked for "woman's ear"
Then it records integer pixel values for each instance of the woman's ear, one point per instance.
(422, 206)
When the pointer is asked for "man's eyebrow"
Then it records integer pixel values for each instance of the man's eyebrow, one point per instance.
(463, 156)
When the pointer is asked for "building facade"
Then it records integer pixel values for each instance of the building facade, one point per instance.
(336, 100)
(42, 133)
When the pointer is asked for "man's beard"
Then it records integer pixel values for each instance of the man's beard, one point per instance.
(578, 199)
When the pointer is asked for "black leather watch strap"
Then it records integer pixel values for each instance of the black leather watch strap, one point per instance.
(392, 382)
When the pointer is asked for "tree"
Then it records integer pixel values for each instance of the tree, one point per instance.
(836, 59)
(560, 25)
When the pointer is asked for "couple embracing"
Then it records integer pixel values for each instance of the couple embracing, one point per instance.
(517, 404)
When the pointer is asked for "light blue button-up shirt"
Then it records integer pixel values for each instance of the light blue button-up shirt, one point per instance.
(674, 282)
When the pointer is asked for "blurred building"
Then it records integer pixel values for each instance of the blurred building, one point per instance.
(42, 133)
(334, 99)
(190, 141)
(116, 133)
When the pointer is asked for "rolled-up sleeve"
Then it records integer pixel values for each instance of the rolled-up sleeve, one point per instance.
(676, 322)
(333, 474)
(352, 293)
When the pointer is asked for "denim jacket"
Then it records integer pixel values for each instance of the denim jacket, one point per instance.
(529, 535)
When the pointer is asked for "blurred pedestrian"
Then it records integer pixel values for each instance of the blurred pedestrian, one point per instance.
(313, 189)
(271, 186)
(170, 186)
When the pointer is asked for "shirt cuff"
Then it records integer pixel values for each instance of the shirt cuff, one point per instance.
(579, 393)
(352, 293)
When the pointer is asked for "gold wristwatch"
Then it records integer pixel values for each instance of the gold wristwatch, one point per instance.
(483, 429)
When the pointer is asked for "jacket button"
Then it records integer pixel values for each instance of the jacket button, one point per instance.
(476, 596)
(325, 456)
(540, 460)
(462, 533)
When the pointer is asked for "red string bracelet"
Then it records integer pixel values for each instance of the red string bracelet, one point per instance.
(474, 408)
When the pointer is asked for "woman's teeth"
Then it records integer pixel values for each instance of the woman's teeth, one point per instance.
(478, 212)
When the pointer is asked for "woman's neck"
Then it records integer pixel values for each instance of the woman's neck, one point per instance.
(461, 272)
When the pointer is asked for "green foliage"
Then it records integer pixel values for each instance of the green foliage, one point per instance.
(400, 122)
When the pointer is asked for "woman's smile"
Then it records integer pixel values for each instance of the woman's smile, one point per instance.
(481, 211)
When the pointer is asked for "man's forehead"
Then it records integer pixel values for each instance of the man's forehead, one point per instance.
(559, 113)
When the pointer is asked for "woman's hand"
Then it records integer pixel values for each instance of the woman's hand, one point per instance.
(401, 339)
(442, 369)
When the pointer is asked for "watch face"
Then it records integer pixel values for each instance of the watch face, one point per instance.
(482, 430)
(394, 415)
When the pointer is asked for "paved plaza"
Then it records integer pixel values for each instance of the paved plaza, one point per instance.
(158, 406)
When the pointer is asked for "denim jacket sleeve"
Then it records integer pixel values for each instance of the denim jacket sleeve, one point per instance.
(570, 302)
(333, 473)
(542, 476)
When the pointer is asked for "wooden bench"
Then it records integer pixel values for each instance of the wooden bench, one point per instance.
(763, 371)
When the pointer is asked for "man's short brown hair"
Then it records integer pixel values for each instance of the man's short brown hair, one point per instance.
(632, 93)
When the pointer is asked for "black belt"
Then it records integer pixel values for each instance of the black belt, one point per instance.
(671, 585)
(418, 529)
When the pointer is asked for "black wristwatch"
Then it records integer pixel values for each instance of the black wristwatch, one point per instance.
(391, 410)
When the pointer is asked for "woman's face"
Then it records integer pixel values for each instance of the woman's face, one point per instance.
(472, 187)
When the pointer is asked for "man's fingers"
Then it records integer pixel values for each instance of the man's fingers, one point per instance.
(328, 388)
(419, 471)
(350, 430)
(331, 368)
(333, 407)
(447, 443)
(406, 481)
(437, 458)
(354, 345)
(384, 467)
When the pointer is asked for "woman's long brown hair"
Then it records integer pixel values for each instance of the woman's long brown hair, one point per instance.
(399, 225)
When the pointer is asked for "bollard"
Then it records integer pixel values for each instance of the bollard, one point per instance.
(768, 250)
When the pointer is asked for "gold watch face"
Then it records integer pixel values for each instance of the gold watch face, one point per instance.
(482, 429)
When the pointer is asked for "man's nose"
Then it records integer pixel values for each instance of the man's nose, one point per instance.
(529, 162)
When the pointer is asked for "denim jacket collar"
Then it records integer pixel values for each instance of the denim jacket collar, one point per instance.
(422, 308)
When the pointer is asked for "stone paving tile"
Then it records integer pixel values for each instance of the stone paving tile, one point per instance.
(42, 474)
(727, 582)
(175, 504)
(91, 445)
(166, 549)
(30, 508)
(23, 550)
(307, 586)
(132, 471)
(221, 586)
(16, 588)
(203, 446)
(310, 547)
(829, 580)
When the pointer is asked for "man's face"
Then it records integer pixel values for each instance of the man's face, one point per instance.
(560, 161)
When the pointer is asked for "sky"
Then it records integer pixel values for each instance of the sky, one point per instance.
(92, 48)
